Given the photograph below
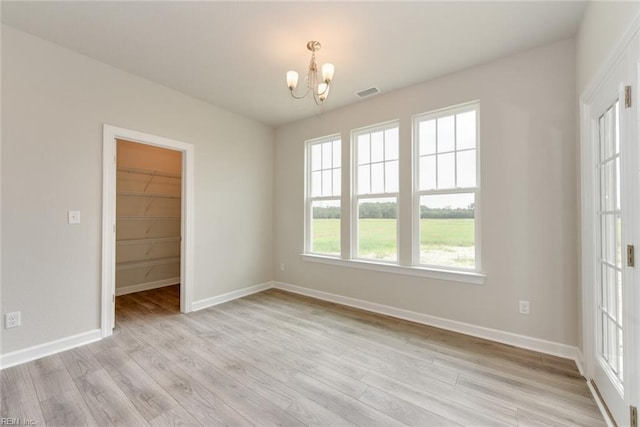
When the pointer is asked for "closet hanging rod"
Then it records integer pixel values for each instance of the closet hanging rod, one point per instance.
(149, 172)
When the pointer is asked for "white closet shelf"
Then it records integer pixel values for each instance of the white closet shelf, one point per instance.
(147, 240)
(148, 218)
(160, 195)
(149, 172)
(146, 263)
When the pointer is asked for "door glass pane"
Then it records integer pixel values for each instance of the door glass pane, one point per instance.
(611, 263)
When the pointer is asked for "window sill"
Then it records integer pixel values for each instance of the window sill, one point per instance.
(450, 275)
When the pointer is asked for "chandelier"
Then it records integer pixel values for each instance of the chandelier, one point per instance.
(316, 86)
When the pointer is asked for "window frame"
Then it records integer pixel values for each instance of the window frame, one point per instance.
(356, 197)
(309, 199)
(417, 193)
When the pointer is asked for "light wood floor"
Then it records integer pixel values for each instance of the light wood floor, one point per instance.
(276, 358)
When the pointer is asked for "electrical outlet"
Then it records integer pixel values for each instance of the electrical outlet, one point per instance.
(282, 266)
(12, 320)
(523, 306)
(73, 217)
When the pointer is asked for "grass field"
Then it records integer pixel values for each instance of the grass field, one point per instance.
(448, 242)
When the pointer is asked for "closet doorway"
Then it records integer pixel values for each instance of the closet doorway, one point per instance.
(147, 217)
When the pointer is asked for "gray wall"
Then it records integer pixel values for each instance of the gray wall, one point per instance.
(603, 23)
(54, 103)
(529, 154)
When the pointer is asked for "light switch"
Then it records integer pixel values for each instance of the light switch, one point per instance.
(73, 217)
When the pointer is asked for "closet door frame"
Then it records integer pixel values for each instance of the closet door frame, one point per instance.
(110, 135)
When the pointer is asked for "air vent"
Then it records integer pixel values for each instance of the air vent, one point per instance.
(368, 92)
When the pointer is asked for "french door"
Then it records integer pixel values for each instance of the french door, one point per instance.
(610, 121)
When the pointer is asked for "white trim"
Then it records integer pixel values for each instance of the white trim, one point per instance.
(147, 286)
(601, 406)
(522, 341)
(110, 133)
(580, 361)
(229, 296)
(42, 350)
(468, 277)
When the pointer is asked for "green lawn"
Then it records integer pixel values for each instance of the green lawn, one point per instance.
(442, 241)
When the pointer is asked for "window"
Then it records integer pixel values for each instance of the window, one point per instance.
(439, 226)
(376, 193)
(446, 184)
(323, 196)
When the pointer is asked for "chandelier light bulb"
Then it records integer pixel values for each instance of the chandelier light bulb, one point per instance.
(327, 72)
(323, 91)
(292, 79)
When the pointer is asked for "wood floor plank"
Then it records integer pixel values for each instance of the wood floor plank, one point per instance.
(18, 395)
(67, 409)
(335, 379)
(315, 414)
(177, 417)
(254, 406)
(562, 413)
(80, 361)
(203, 405)
(245, 373)
(404, 411)
(107, 402)
(346, 407)
(50, 377)
(445, 400)
(381, 357)
(146, 395)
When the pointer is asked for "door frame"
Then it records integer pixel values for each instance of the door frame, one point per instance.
(110, 134)
(628, 46)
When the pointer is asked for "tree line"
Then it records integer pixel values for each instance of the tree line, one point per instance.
(388, 210)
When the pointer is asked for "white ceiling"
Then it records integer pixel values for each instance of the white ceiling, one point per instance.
(235, 54)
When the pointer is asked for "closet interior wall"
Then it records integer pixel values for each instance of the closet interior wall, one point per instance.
(148, 217)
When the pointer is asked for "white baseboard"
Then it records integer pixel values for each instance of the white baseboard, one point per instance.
(36, 352)
(580, 362)
(522, 341)
(147, 286)
(219, 299)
